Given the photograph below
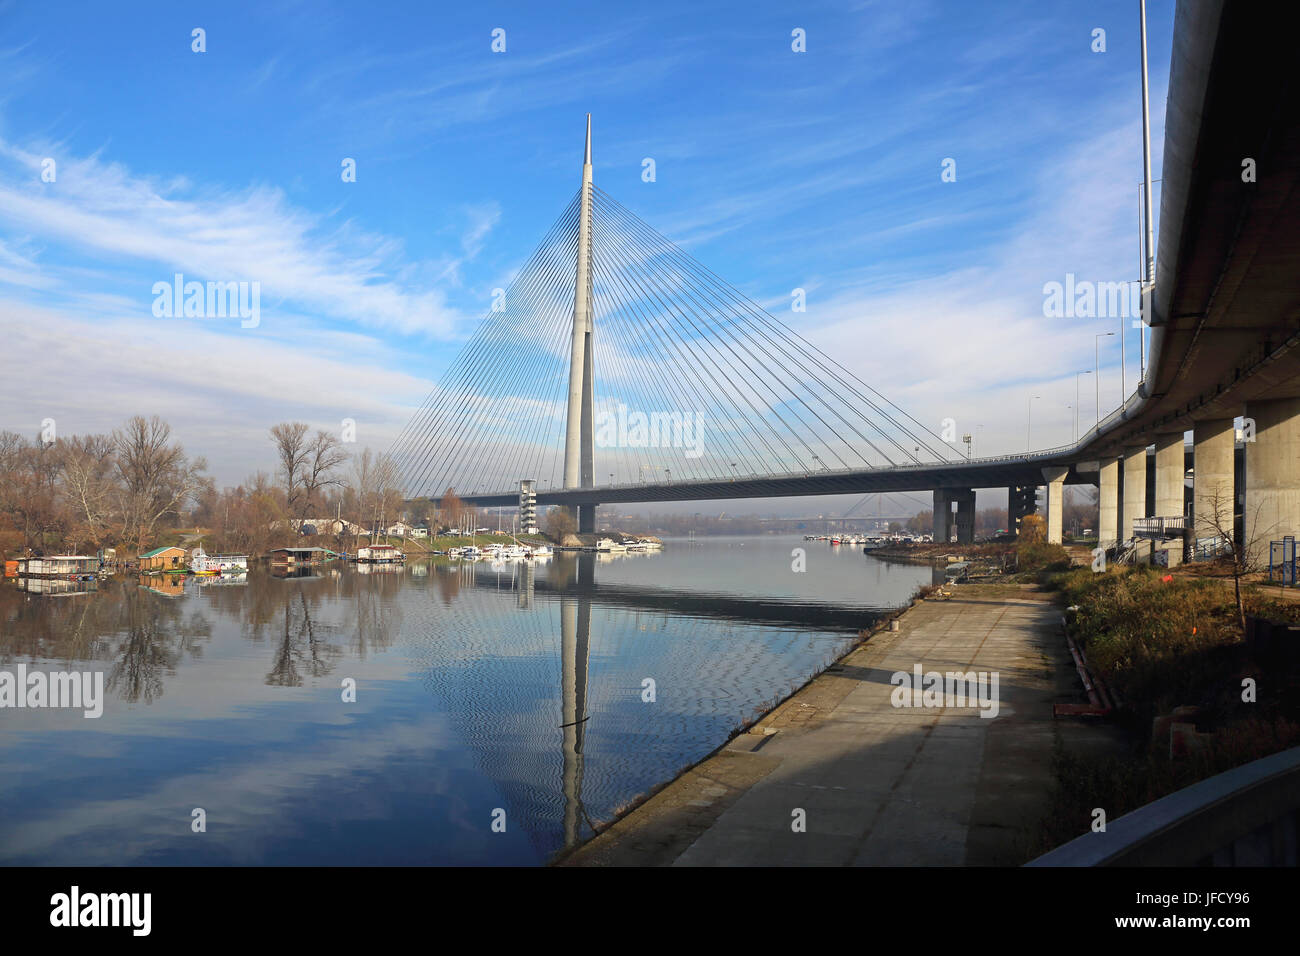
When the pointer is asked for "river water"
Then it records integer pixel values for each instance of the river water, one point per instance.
(500, 709)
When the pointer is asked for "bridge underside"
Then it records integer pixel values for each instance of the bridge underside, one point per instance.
(1227, 303)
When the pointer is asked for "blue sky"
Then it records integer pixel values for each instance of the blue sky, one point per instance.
(818, 170)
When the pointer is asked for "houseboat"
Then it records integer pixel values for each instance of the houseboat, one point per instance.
(170, 558)
(300, 557)
(379, 554)
(72, 566)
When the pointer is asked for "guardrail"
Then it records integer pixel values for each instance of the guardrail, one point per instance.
(1283, 564)
(1172, 527)
(1248, 816)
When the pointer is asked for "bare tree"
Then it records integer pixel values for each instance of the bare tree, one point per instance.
(1244, 551)
(374, 493)
(27, 487)
(560, 524)
(291, 449)
(451, 508)
(87, 483)
(323, 457)
(156, 477)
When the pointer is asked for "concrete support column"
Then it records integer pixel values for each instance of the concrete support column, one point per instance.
(1214, 491)
(1055, 501)
(1272, 508)
(942, 515)
(1020, 504)
(586, 519)
(1171, 469)
(965, 516)
(1133, 492)
(1108, 503)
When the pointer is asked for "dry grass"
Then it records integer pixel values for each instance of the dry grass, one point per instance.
(1165, 644)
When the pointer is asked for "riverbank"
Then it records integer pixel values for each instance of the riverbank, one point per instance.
(1195, 696)
(878, 784)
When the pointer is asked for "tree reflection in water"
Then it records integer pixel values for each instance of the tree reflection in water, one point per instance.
(301, 648)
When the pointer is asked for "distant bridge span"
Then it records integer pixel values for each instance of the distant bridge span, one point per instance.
(1005, 472)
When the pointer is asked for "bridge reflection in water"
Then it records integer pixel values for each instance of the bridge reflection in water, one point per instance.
(612, 745)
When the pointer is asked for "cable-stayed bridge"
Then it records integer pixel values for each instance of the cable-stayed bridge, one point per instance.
(617, 369)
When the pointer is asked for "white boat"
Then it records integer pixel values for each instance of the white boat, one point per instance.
(512, 553)
(610, 545)
(203, 563)
(539, 551)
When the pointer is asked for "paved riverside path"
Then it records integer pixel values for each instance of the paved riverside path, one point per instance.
(879, 785)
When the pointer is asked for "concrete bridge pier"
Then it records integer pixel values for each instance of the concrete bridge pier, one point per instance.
(1214, 495)
(1133, 492)
(1108, 503)
(1171, 470)
(1272, 508)
(942, 515)
(1020, 504)
(1055, 501)
(965, 515)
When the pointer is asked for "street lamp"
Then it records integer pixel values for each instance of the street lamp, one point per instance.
(1096, 348)
(1029, 418)
(1076, 402)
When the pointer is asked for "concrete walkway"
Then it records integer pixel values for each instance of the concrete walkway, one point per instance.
(878, 784)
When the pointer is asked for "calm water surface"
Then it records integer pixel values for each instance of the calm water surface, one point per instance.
(479, 688)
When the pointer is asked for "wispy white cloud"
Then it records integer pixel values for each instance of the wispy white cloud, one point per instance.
(337, 269)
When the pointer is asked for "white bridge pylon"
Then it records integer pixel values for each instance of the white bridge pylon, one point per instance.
(614, 358)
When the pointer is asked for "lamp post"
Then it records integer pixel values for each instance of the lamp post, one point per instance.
(1029, 418)
(1076, 402)
(1096, 348)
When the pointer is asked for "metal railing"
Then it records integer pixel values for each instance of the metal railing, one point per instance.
(1283, 564)
(1171, 527)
